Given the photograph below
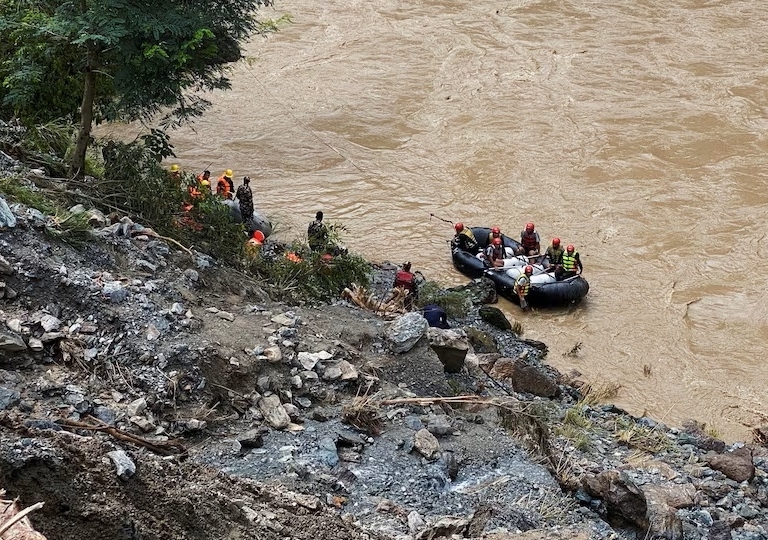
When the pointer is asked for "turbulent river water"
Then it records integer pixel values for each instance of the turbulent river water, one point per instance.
(635, 130)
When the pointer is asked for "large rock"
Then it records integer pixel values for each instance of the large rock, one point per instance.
(528, 378)
(125, 468)
(736, 465)
(8, 398)
(11, 342)
(482, 342)
(253, 438)
(7, 219)
(309, 360)
(273, 412)
(426, 444)
(494, 317)
(406, 331)
(5, 266)
(451, 347)
(446, 527)
(348, 371)
(620, 494)
(439, 425)
(662, 503)
(534, 380)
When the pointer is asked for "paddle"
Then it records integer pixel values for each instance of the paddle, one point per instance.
(441, 219)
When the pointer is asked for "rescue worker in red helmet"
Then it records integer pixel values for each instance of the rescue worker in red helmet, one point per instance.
(530, 244)
(496, 233)
(465, 239)
(494, 253)
(571, 263)
(554, 258)
(523, 286)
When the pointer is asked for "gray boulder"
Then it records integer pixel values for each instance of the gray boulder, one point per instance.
(406, 331)
(495, 317)
(125, 468)
(8, 398)
(11, 342)
(451, 347)
(7, 219)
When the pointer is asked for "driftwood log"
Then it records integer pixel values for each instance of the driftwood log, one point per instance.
(14, 523)
(390, 307)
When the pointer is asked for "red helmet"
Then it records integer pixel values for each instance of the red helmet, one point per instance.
(555, 242)
(570, 249)
(529, 269)
(496, 241)
(459, 227)
(496, 230)
(529, 226)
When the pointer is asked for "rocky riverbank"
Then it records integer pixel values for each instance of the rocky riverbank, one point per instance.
(146, 392)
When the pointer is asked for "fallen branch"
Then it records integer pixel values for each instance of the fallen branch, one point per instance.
(163, 448)
(153, 234)
(18, 520)
(472, 400)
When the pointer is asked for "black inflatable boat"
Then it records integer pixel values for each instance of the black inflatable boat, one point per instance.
(545, 291)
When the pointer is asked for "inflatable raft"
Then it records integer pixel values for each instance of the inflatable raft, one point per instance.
(256, 223)
(545, 290)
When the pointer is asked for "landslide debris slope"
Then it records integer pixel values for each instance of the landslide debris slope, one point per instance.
(149, 393)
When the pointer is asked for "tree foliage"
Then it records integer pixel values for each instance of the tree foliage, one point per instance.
(98, 60)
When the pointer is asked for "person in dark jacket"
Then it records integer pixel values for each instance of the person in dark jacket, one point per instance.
(317, 233)
(465, 239)
(244, 197)
(436, 316)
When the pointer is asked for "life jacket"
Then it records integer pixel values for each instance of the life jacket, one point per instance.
(528, 239)
(222, 187)
(523, 284)
(466, 240)
(569, 261)
(404, 280)
(194, 192)
(496, 252)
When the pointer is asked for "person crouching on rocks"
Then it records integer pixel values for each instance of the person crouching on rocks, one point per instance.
(404, 279)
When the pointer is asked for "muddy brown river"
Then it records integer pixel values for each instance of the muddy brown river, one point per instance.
(635, 130)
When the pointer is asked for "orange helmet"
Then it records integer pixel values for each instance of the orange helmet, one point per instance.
(529, 269)
(555, 242)
(459, 227)
(496, 230)
(529, 226)
(497, 241)
(570, 249)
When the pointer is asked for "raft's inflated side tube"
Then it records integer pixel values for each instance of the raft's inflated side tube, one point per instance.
(256, 223)
(545, 290)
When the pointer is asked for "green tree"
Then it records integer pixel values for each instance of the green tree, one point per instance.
(119, 59)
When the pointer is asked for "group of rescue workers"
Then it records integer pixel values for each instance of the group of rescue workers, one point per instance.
(225, 188)
(198, 187)
(564, 263)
